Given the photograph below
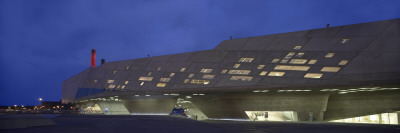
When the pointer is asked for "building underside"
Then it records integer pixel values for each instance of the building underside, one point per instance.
(343, 74)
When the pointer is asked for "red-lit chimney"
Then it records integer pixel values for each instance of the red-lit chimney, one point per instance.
(93, 61)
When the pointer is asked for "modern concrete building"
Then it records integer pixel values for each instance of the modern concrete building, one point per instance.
(347, 73)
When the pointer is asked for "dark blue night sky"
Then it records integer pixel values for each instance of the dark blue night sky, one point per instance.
(43, 42)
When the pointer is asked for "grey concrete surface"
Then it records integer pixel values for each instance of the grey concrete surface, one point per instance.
(167, 124)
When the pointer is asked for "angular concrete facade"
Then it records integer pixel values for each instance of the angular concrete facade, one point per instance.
(335, 73)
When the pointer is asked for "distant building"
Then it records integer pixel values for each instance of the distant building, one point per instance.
(346, 74)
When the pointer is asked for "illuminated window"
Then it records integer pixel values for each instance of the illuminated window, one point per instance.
(95, 81)
(246, 59)
(110, 81)
(161, 84)
(275, 61)
(183, 69)
(242, 78)
(186, 81)
(208, 76)
(141, 83)
(343, 62)
(345, 40)
(206, 70)
(262, 73)
(165, 79)
(260, 66)
(224, 71)
(115, 71)
(118, 86)
(158, 68)
(313, 75)
(297, 47)
(298, 61)
(190, 75)
(241, 72)
(145, 78)
(313, 61)
(126, 82)
(196, 81)
(294, 68)
(171, 75)
(329, 55)
(284, 61)
(111, 86)
(276, 73)
(127, 67)
(300, 54)
(123, 87)
(330, 69)
(149, 73)
(289, 55)
(236, 66)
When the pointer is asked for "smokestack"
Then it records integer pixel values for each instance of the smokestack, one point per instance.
(93, 61)
(103, 61)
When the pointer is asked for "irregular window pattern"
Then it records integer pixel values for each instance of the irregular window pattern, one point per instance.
(260, 66)
(165, 79)
(196, 81)
(145, 78)
(313, 61)
(345, 40)
(298, 61)
(343, 62)
(190, 75)
(329, 55)
(208, 76)
(297, 47)
(171, 75)
(236, 66)
(262, 73)
(183, 69)
(224, 71)
(206, 70)
(275, 61)
(246, 59)
(241, 72)
(110, 81)
(242, 78)
(330, 69)
(161, 84)
(313, 75)
(276, 73)
(294, 68)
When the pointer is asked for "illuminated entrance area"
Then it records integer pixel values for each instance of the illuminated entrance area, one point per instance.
(272, 115)
(384, 118)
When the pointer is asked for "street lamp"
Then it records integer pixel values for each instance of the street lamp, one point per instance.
(40, 99)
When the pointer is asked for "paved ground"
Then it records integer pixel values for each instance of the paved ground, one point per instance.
(166, 124)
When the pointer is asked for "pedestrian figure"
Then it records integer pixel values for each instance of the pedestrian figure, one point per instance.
(311, 117)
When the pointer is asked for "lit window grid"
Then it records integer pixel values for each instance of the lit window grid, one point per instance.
(161, 84)
(206, 70)
(260, 66)
(274, 73)
(196, 81)
(246, 59)
(208, 76)
(329, 55)
(165, 79)
(145, 78)
(242, 78)
(236, 66)
(240, 72)
(313, 75)
(330, 69)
